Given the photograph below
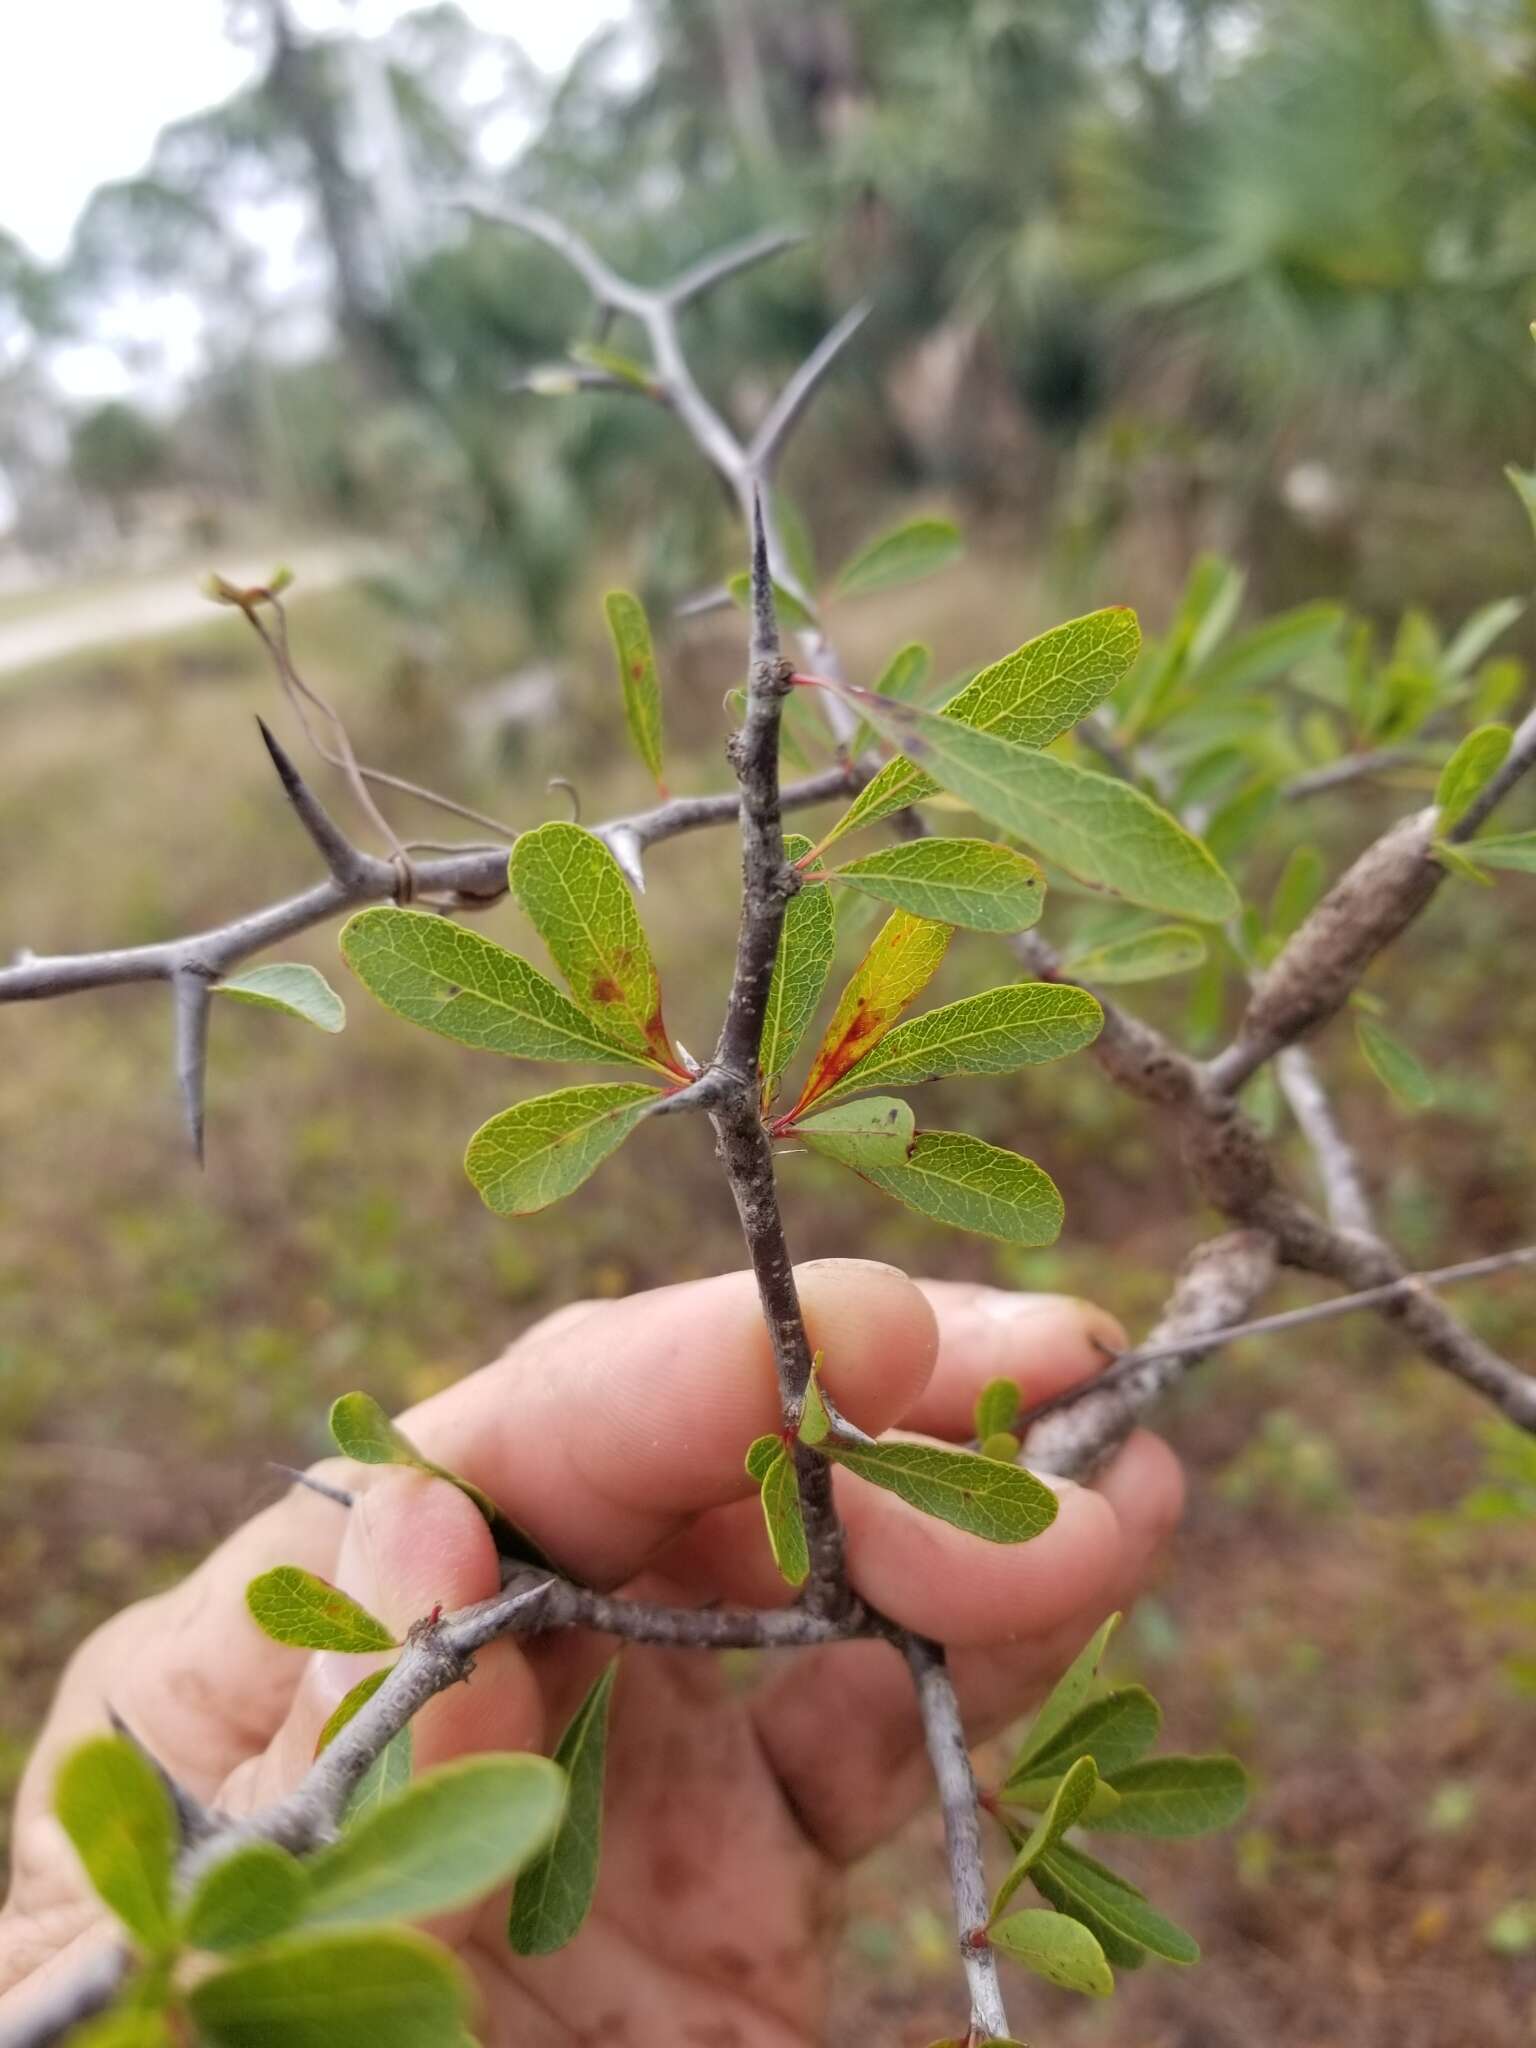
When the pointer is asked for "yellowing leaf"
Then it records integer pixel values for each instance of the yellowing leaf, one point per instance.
(1098, 828)
(293, 1606)
(1031, 697)
(637, 675)
(554, 1892)
(999, 1503)
(573, 890)
(966, 882)
(800, 970)
(900, 963)
(465, 987)
(539, 1151)
(960, 1180)
(289, 986)
(993, 1033)
(875, 1132)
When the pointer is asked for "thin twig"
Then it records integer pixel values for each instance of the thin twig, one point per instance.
(944, 1734)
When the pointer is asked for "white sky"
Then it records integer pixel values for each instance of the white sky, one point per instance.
(86, 84)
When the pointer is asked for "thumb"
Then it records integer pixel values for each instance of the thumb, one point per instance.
(412, 1543)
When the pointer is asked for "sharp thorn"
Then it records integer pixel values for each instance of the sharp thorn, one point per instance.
(323, 1487)
(192, 999)
(335, 849)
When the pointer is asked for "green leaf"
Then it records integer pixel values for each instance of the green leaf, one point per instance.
(903, 676)
(1300, 885)
(1054, 1946)
(1177, 1796)
(1112, 1910)
(291, 987)
(554, 1891)
(1270, 649)
(1524, 482)
(593, 355)
(1142, 956)
(1031, 697)
(361, 1430)
(901, 961)
(292, 1606)
(631, 632)
(250, 1896)
(111, 1803)
(1455, 861)
(791, 612)
(1069, 1803)
(1505, 850)
(999, 1503)
(1473, 765)
(125, 2027)
(451, 1836)
(997, 1407)
(575, 893)
(1063, 1700)
(1002, 1444)
(920, 547)
(967, 882)
(347, 1708)
(362, 1988)
(877, 1131)
(815, 1422)
(538, 1151)
(385, 1778)
(1098, 828)
(1479, 633)
(1394, 1065)
(770, 1464)
(800, 971)
(997, 1032)
(438, 974)
(962, 1181)
(1113, 1730)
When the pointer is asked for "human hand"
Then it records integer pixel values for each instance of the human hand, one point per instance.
(614, 1433)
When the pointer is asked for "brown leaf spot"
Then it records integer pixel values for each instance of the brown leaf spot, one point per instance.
(606, 990)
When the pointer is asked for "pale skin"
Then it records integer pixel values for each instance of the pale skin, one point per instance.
(614, 1433)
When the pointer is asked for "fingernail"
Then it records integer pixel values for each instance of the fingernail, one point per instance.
(844, 1265)
(1000, 1305)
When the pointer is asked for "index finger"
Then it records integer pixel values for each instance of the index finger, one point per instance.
(1044, 1342)
(602, 1437)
